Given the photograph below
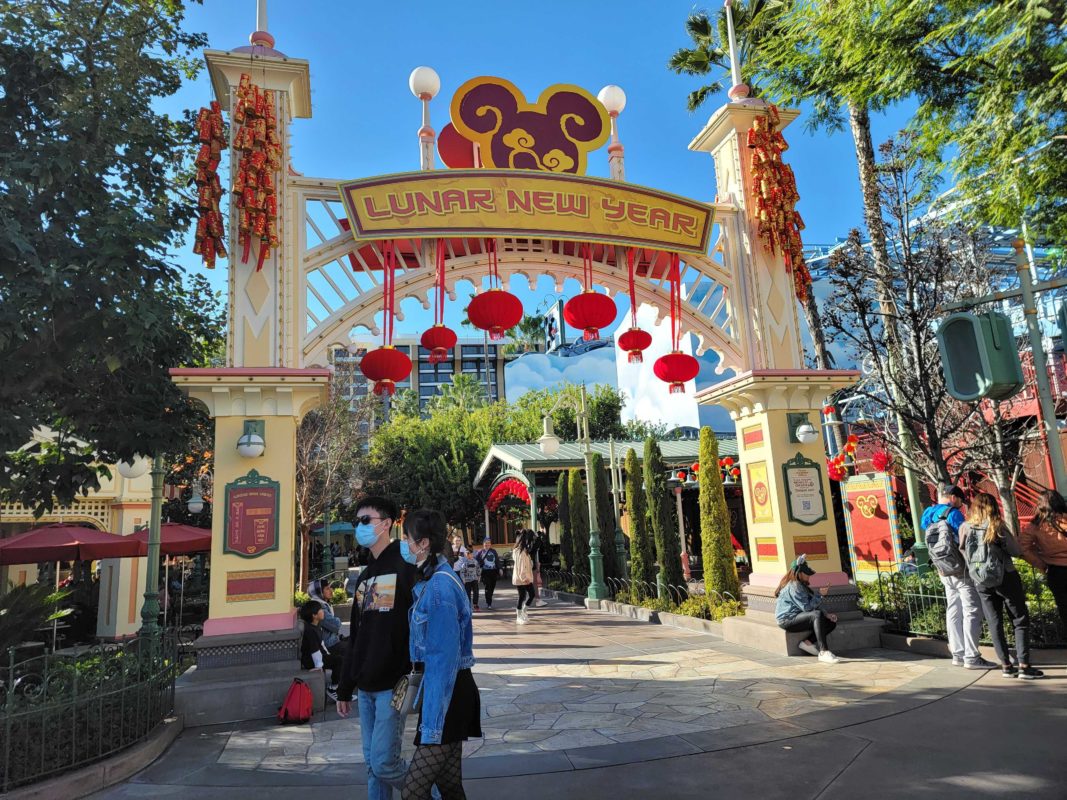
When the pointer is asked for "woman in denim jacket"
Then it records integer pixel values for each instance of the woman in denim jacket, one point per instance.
(441, 644)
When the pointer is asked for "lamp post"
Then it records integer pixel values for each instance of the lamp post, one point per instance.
(616, 490)
(549, 444)
(150, 609)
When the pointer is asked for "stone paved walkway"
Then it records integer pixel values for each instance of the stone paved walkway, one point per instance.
(573, 678)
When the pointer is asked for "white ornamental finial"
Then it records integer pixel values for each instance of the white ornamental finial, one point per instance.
(739, 91)
(260, 37)
(261, 15)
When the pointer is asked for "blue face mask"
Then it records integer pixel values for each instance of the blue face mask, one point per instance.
(406, 554)
(366, 535)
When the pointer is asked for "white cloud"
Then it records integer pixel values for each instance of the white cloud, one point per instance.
(535, 371)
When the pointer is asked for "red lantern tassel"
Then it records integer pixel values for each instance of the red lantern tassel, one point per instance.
(677, 388)
(591, 333)
(384, 387)
(635, 357)
(438, 355)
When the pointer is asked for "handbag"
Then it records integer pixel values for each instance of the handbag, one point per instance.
(407, 693)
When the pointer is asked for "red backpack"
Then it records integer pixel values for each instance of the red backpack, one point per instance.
(297, 705)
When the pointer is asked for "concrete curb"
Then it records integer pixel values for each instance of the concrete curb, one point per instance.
(640, 613)
(938, 648)
(96, 777)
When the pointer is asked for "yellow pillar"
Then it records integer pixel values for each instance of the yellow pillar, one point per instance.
(253, 526)
(122, 579)
(787, 492)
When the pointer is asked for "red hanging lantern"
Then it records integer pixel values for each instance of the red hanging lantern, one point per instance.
(676, 367)
(736, 472)
(590, 311)
(695, 467)
(728, 462)
(439, 339)
(496, 311)
(634, 341)
(387, 366)
(680, 474)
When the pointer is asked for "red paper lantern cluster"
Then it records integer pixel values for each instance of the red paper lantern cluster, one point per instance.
(590, 311)
(260, 147)
(776, 198)
(836, 468)
(211, 134)
(496, 311)
(387, 366)
(440, 338)
(676, 367)
(829, 410)
(881, 461)
(511, 487)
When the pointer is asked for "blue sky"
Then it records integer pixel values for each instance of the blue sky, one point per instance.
(364, 118)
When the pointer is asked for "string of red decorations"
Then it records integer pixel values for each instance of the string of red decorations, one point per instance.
(495, 311)
(210, 232)
(254, 181)
(511, 487)
(386, 366)
(634, 341)
(837, 467)
(589, 311)
(881, 461)
(775, 186)
(439, 339)
(676, 367)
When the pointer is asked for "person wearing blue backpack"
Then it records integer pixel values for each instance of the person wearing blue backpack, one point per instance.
(988, 546)
(963, 609)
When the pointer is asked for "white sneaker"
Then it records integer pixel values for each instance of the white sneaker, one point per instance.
(809, 648)
(520, 618)
(539, 603)
(827, 657)
(525, 616)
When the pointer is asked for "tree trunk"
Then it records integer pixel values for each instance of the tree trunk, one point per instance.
(822, 357)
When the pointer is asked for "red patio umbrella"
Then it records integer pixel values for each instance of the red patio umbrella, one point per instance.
(61, 542)
(176, 539)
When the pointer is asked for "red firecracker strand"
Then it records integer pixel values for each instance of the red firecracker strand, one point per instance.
(210, 231)
(260, 156)
(776, 199)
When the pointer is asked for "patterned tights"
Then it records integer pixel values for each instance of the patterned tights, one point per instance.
(435, 763)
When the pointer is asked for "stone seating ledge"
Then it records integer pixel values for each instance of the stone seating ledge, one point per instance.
(234, 694)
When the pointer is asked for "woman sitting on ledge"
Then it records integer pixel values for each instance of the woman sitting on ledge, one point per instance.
(799, 609)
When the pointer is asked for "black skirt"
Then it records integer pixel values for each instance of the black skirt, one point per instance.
(463, 719)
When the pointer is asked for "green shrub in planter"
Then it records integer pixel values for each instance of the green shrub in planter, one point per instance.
(340, 597)
(299, 598)
(657, 604)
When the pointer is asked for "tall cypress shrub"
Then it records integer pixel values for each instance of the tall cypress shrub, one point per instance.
(661, 514)
(720, 571)
(563, 510)
(605, 515)
(642, 550)
(579, 522)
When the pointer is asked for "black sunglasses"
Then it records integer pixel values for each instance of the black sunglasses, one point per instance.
(366, 519)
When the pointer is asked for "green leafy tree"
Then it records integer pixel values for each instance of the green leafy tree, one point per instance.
(405, 403)
(93, 311)
(566, 538)
(579, 513)
(661, 515)
(995, 107)
(605, 513)
(642, 549)
(526, 337)
(720, 571)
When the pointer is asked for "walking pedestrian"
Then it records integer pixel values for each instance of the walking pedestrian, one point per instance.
(988, 546)
(798, 608)
(1044, 545)
(378, 654)
(489, 560)
(522, 575)
(541, 556)
(468, 570)
(442, 643)
(963, 608)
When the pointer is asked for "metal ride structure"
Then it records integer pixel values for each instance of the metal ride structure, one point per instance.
(306, 269)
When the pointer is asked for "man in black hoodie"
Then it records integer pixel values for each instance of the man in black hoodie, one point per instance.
(377, 655)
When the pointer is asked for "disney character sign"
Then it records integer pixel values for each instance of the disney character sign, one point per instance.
(555, 134)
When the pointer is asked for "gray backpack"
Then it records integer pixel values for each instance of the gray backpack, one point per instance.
(944, 550)
(985, 561)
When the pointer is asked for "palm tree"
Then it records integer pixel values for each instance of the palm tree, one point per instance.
(464, 392)
(527, 336)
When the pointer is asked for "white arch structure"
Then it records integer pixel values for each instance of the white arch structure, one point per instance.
(336, 299)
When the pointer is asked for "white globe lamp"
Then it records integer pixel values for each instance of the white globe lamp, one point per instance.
(613, 98)
(251, 445)
(424, 83)
(806, 433)
(133, 469)
(549, 442)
